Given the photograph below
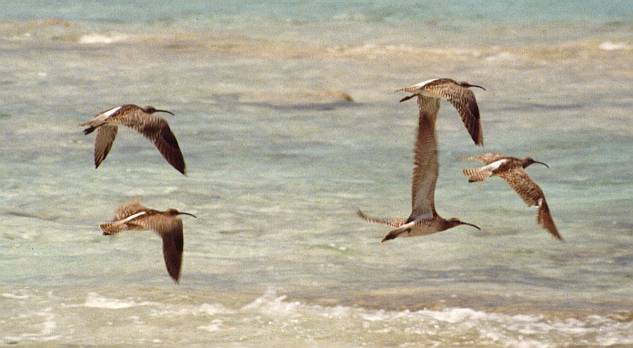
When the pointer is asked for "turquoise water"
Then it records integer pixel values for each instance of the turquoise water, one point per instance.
(278, 162)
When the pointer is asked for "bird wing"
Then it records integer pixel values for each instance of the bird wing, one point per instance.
(157, 130)
(128, 209)
(486, 158)
(463, 99)
(545, 219)
(393, 222)
(169, 228)
(477, 174)
(520, 182)
(103, 142)
(425, 165)
(531, 194)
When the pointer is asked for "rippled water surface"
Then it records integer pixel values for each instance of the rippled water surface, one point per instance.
(279, 159)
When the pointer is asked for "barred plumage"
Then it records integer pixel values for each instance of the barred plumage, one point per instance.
(143, 121)
(456, 93)
(512, 171)
(134, 216)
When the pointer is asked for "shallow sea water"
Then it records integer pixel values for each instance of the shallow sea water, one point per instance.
(278, 161)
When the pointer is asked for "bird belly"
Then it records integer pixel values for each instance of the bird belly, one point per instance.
(420, 229)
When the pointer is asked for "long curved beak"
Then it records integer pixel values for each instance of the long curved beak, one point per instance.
(169, 112)
(477, 86)
(469, 224)
(183, 213)
(545, 164)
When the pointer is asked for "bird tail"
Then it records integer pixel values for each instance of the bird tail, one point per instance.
(476, 174)
(92, 125)
(112, 228)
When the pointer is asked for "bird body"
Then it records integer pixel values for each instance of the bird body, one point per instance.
(456, 93)
(424, 219)
(512, 171)
(140, 119)
(134, 216)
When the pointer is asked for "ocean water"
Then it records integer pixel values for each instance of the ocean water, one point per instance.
(278, 161)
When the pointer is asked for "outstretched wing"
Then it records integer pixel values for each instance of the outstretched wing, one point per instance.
(169, 228)
(463, 99)
(425, 165)
(532, 195)
(487, 158)
(128, 209)
(157, 130)
(103, 142)
(544, 218)
(393, 222)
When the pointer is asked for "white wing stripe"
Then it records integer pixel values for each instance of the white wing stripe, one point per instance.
(111, 111)
(422, 84)
(134, 216)
(494, 165)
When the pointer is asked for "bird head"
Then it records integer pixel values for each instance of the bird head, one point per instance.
(174, 212)
(452, 222)
(466, 84)
(150, 110)
(529, 160)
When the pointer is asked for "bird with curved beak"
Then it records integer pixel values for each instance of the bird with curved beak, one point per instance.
(456, 93)
(143, 121)
(134, 216)
(423, 219)
(512, 170)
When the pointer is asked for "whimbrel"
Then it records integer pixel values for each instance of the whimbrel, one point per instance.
(458, 94)
(134, 216)
(512, 170)
(140, 119)
(424, 219)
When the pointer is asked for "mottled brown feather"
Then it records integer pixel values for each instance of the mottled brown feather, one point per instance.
(157, 130)
(544, 218)
(425, 164)
(127, 209)
(463, 99)
(477, 174)
(532, 195)
(103, 142)
(520, 181)
(169, 228)
(393, 222)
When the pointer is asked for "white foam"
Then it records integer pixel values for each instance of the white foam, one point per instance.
(14, 296)
(94, 300)
(521, 330)
(92, 39)
(215, 325)
(613, 46)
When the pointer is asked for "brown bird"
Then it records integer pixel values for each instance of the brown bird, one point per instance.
(512, 170)
(423, 219)
(134, 216)
(458, 94)
(143, 121)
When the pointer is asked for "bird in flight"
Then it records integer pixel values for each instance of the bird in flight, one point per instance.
(134, 216)
(143, 121)
(512, 170)
(423, 219)
(456, 93)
